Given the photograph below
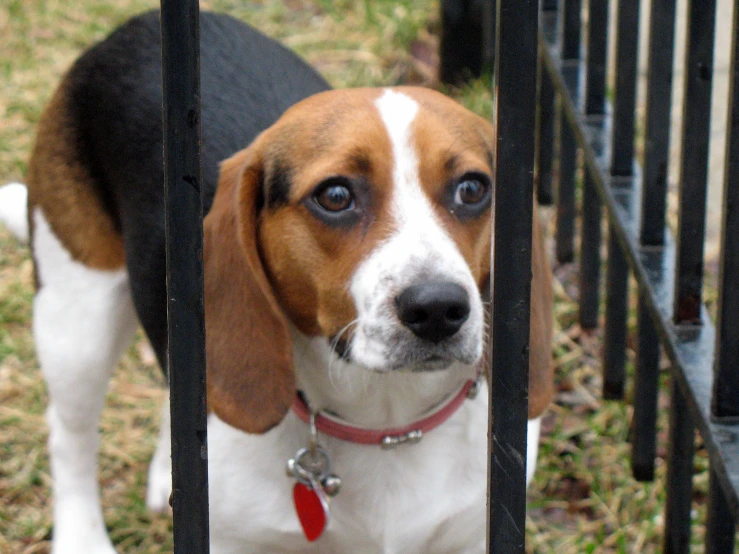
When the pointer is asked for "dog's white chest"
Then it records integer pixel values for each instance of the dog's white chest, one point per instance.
(428, 497)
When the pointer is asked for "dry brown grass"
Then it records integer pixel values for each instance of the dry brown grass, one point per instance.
(583, 500)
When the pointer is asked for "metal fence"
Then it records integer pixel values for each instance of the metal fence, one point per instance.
(668, 269)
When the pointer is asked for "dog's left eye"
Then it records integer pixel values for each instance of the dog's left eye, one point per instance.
(469, 196)
(470, 191)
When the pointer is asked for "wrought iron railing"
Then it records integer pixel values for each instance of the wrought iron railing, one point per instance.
(668, 269)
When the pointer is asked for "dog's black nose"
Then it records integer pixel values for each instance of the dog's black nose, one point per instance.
(433, 311)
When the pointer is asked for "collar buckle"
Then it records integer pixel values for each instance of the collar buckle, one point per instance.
(389, 442)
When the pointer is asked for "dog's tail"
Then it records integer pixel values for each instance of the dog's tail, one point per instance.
(14, 209)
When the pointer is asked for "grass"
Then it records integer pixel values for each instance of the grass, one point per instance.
(583, 499)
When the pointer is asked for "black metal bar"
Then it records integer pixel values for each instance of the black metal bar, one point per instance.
(646, 389)
(595, 79)
(463, 51)
(622, 154)
(515, 122)
(569, 33)
(720, 524)
(591, 209)
(694, 166)
(679, 484)
(489, 15)
(657, 116)
(725, 402)
(185, 306)
(614, 332)
(570, 28)
(546, 114)
(567, 156)
(590, 254)
(624, 99)
(544, 138)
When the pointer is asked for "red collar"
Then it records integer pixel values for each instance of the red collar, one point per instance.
(391, 437)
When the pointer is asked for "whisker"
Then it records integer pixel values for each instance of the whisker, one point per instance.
(332, 367)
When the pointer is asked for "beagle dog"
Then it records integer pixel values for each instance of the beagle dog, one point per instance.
(347, 262)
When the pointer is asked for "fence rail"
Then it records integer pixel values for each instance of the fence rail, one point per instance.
(668, 270)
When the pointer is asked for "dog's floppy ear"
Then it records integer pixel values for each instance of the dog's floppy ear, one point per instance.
(251, 383)
(541, 370)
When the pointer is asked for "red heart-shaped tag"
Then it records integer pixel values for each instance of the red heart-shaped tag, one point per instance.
(312, 511)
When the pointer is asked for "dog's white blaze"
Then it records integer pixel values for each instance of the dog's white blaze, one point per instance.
(419, 248)
(83, 321)
(398, 112)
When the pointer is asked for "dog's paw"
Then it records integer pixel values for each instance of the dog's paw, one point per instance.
(79, 540)
(157, 493)
(79, 527)
(13, 206)
(77, 548)
(159, 486)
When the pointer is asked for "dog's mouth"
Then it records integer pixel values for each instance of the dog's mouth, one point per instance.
(427, 364)
(341, 347)
(417, 363)
(432, 363)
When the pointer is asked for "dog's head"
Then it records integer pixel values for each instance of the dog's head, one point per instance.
(361, 216)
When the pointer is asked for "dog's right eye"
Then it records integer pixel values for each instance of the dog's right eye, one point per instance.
(334, 197)
(334, 202)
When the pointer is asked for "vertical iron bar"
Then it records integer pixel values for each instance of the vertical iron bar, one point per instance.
(654, 192)
(595, 79)
(720, 524)
(566, 191)
(725, 400)
(622, 159)
(646, 389)
(544, 136)
(515, 122)
(489, 13)
(614, 332)
(570, 28)
(676, 539)
(657, 130)
(624, 101)
(462, 49)
(694, 164)
(185, 305)
(590, 254)
(595, 82)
